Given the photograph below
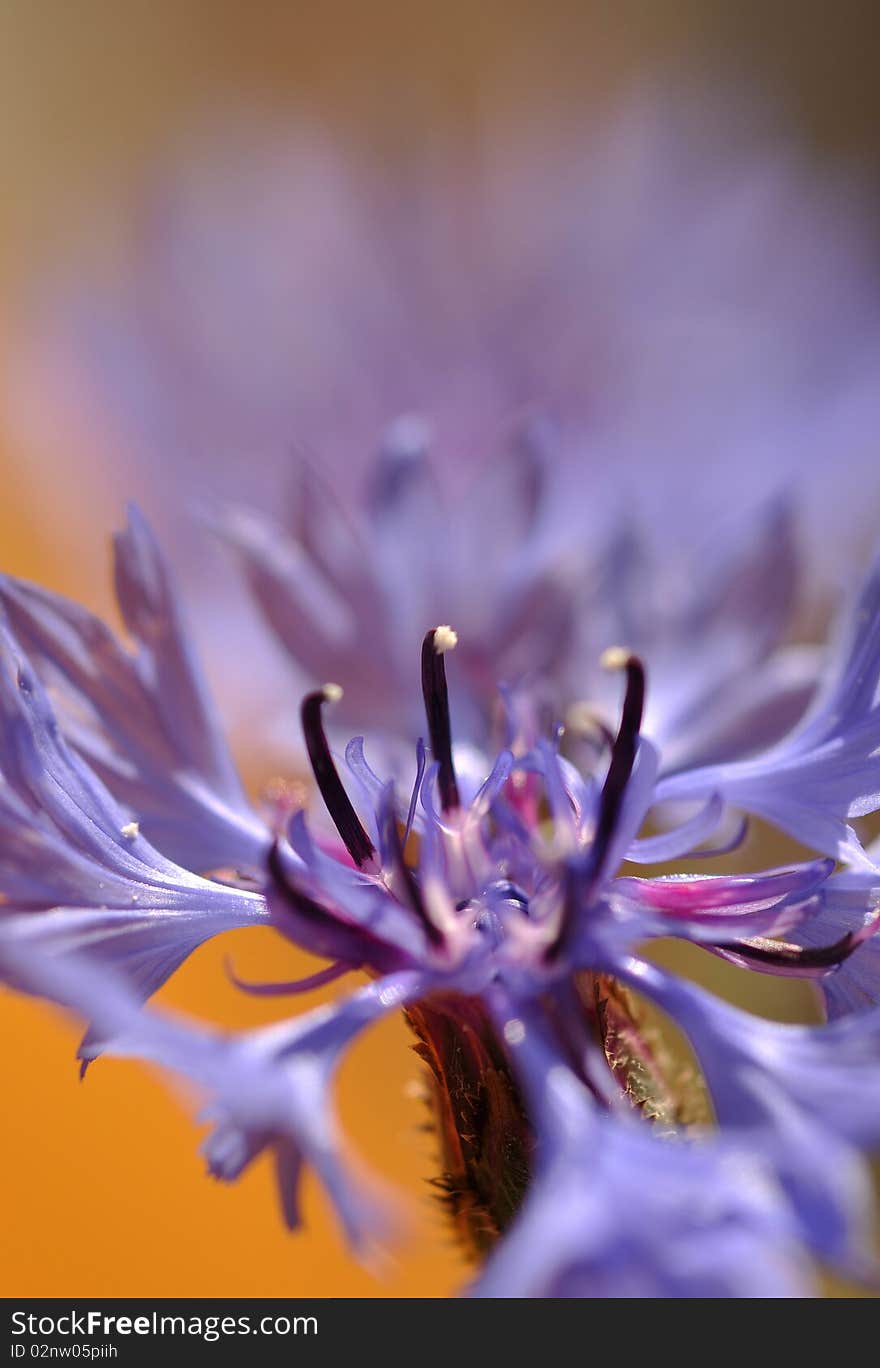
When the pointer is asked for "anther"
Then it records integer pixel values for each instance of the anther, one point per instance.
(445, 639)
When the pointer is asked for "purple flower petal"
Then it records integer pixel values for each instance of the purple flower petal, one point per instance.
(847, 902)
(143, 720)
(711, 907)
(74, 867)
(828, 768)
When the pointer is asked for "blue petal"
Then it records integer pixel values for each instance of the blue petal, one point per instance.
(719, 907)
(73, 866)
(847, 902)
(144, 720)
(828, 768)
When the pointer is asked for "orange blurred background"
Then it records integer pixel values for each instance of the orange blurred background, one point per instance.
(103, 1189)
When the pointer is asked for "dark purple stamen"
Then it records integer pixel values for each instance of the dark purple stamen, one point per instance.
(436, 696)
(576, 877)
(394, 846)
(581, 875)
(797, 960)
(333, 932)
(338, 803)
(623, 757)
(291, 986)
(299, 900)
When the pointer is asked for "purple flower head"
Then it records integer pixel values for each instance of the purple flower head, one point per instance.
(523, 813)
(493, 885)
(496, 910)
(495, 903)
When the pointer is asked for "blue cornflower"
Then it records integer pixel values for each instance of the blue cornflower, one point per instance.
(489, 885)
(491, 904)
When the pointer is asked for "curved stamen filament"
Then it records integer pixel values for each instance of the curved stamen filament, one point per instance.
(436, 695)
(291, 986)
(358, 946)
(301, 902)
(582, 875)
(402, 871)
(779, 957)
(623, 751)
(337, 801)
